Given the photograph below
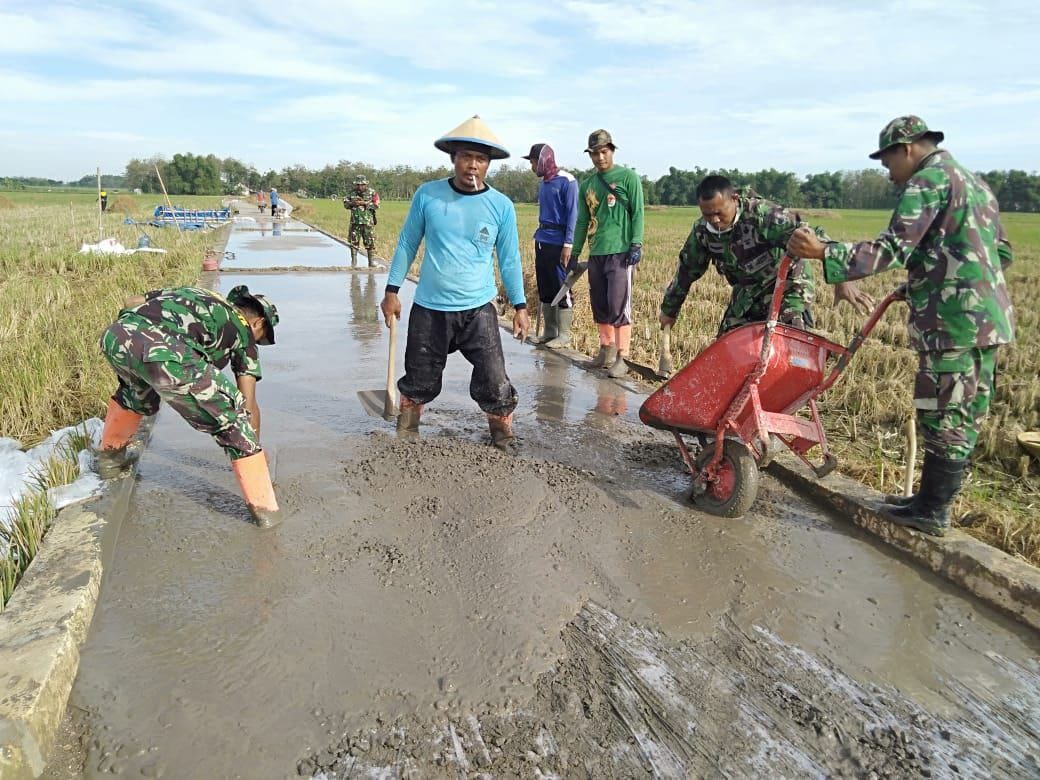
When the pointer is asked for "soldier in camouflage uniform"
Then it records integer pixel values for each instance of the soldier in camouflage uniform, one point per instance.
(170, 345)
(946, 232)
(362, 204)
(745, 237)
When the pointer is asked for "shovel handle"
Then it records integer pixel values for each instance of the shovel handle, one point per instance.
(391, 390)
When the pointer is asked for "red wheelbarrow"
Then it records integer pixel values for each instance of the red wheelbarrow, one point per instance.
(741, 395)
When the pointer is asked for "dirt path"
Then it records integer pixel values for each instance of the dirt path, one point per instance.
(435, 608)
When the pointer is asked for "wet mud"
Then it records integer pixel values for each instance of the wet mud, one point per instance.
(437, 608)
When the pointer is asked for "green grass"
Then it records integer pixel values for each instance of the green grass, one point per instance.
(54, 304)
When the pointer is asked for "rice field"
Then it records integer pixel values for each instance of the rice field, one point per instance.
(54, 303)
(866, 411)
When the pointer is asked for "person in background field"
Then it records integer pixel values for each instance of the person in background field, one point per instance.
(261, 201)
(103, 197)
(553, 241)
(610, 218)
(946, 232)
(170, 345)
(745, 237)
(362, 204)
(462, 221)
(274, 202)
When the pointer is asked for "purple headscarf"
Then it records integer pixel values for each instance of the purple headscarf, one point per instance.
(547, 167)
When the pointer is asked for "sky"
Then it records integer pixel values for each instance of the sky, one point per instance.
(796, 86)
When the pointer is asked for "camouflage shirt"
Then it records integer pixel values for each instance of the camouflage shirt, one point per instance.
(748, 256)
(204, 321)
(946, 232)
(362, 205)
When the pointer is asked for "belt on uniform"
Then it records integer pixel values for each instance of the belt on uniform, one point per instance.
(550, 226)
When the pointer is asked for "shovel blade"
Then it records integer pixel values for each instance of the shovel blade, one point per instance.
(378, 403)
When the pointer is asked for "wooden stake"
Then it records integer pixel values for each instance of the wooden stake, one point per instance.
(72, 218)
(100, 235)
(911, 455)
(167, 196)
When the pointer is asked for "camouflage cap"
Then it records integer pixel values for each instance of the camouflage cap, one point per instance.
(360, 180)
(904, 130)
(599, 138)
(240, 295)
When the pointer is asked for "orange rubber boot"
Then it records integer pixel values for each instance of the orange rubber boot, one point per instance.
(120, 426)
(502, 437)
(254, 480)
(408, 419)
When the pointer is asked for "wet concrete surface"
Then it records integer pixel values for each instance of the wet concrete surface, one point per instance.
(437, 608)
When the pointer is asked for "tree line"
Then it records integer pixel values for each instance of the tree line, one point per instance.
(189, 174)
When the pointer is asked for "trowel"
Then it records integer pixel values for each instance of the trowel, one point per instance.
(383, 403)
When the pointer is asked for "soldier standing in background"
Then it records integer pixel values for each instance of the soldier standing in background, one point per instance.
(610, 217)
(362, 204)
(170, 345)
(745, 237)
(946, 232)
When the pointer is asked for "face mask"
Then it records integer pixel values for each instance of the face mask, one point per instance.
(718, 231)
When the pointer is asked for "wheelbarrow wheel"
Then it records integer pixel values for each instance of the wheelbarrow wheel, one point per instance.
(737, 486)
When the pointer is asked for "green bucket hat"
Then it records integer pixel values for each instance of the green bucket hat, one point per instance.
(241, 295)
(904, 130)
(599, 138)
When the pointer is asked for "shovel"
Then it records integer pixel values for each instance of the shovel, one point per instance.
(383, 403)
(664, 365)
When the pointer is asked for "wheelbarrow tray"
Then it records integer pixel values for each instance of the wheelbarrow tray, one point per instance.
(697, 397)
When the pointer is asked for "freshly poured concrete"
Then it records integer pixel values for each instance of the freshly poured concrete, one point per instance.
(435, 608)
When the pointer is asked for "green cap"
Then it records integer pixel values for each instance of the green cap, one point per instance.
(599, 138)
(904, 130)
(241, 294)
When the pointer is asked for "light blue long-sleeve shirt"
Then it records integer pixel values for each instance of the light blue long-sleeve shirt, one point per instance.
(461, 230)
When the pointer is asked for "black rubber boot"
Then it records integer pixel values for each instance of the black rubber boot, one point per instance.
(929, 511)
(894, 500)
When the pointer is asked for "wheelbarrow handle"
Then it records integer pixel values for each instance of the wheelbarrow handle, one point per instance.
(898, 294)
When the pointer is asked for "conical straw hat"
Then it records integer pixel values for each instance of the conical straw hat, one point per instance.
(473, 131)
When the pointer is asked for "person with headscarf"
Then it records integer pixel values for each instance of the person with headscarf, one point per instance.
(465, 223)
(553, 241)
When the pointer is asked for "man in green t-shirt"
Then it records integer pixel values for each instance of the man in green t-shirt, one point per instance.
(610, 218)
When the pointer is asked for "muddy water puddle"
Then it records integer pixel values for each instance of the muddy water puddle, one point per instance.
(435, 608)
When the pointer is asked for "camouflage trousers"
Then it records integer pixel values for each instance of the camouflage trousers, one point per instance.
(361, 234)
(952, 393)
(154, 366)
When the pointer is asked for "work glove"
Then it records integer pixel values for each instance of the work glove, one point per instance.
(635, 254)
(572, 266)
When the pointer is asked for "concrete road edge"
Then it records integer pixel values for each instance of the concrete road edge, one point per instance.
(1008, 583)
(47, 619)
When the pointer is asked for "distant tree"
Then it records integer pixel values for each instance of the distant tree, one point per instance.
(188, 174)
(822, 190)
(232, 174)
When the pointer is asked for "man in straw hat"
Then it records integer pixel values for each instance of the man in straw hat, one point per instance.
(462, 221)
(610, 218)
(170, 345)
(946, 232)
